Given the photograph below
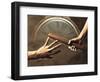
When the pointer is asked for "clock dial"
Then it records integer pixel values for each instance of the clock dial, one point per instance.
(57, 25)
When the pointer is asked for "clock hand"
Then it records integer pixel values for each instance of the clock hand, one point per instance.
(64, 40)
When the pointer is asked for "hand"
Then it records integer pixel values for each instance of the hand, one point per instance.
(76, 40)
(75, 43)
(45, 50)
(71, 44)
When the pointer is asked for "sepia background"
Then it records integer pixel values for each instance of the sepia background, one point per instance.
(36, 40)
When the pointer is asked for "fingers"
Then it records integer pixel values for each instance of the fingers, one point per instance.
(74, 40)
(69, 42)
(58, 45)
(53, 43)
(46, 41)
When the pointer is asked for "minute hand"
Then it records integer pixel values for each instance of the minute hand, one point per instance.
(64, 40)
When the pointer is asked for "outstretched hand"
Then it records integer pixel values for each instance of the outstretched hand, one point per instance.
(45, 50)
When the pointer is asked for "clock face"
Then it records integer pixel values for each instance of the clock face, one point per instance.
(57, 25)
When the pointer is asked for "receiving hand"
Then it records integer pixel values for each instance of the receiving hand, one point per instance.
(45, 50)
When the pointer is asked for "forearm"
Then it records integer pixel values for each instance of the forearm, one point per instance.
(31, 54)
(84, 30)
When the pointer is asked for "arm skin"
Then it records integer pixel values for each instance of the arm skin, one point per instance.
(79, 38)
(31, 54)
(84, 30)
(44, 50)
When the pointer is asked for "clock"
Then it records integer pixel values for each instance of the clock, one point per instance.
(64, 27)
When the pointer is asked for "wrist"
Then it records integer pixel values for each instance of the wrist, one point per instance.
(79, 37)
